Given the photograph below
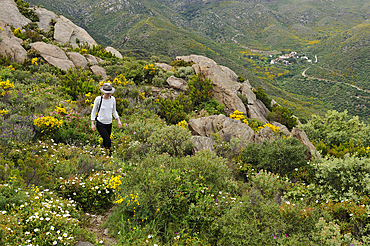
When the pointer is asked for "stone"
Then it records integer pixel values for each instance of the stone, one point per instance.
(53, 55)
(202, 143)
(45, 17)
(114, 52)
(77, 59)
(66, 31)
(97, 70)
(264, 134)
(233, 76)
(177, 83)
(282, 128)
(91, 59)
(227, 128)
(11, 45)
(256, 108)
(164, 66)
(302, 136)
(10, 14)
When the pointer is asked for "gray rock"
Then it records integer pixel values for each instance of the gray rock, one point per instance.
(264, 134)
(233, 76)
(282, 128)
(202, 143)
(66, 31)
(45, 17)
(11, 45)
(177, 83)
(77, 59)
(53, 55)
(91, 59)
(301, 135)
(80, 243)
(227, 128)
(256, 108)
(10, 14)
(97, 70)
(224, 87)
(114, 52)
(164, 66)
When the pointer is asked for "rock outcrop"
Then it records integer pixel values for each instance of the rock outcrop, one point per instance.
(11, 45)
(45, 17)
(66, 31)
(53, 55)
(226, 87)
(226, 127)
(301, 135)
(164, 66)
(77, 59)
(97, 70)
(177, 83)
(10, 14)
(92, 60)
(202, 143)
(114, 52)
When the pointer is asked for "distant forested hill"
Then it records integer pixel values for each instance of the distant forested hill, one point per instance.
(233, 32)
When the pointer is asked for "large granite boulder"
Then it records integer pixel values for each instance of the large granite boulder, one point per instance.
(202, 143)
(92, 60)
(77, 59)
(114, 52)
(66, 31)
(11, 45)
(226, 127)
(45, 17)
(177, 83)
(225, 87)
(10, 14)
(97, 70)
(301, 135)
(53, 55)
(256, 108)
(164, 66)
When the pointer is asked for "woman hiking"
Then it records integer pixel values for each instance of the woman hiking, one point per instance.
(103, 109)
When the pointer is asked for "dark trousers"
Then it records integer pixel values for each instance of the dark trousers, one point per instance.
(105, 130)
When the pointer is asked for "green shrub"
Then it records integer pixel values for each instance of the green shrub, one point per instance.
(185, 72)
(174, 140)
(91, 193)
(200, 90)
(341, 179)
(281, 156)
(172, 111)
(24, 8)
(170, 197)
(213, 107)
(337, 128)
(37, 217)
(261, 95)
(77, 83)
(283, 116)
(181, 63)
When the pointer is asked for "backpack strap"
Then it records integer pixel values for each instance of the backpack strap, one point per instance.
(97, 113)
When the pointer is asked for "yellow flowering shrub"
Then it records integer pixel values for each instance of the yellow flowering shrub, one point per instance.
(11, 67)
(272, 127)
(149, 68)
(237, 115)
(5, 86)
(48, 124)
(60, 109)
(3, 112)
(183, 124)
(34, 61)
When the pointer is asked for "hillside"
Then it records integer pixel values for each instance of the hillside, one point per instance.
(201, 158)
